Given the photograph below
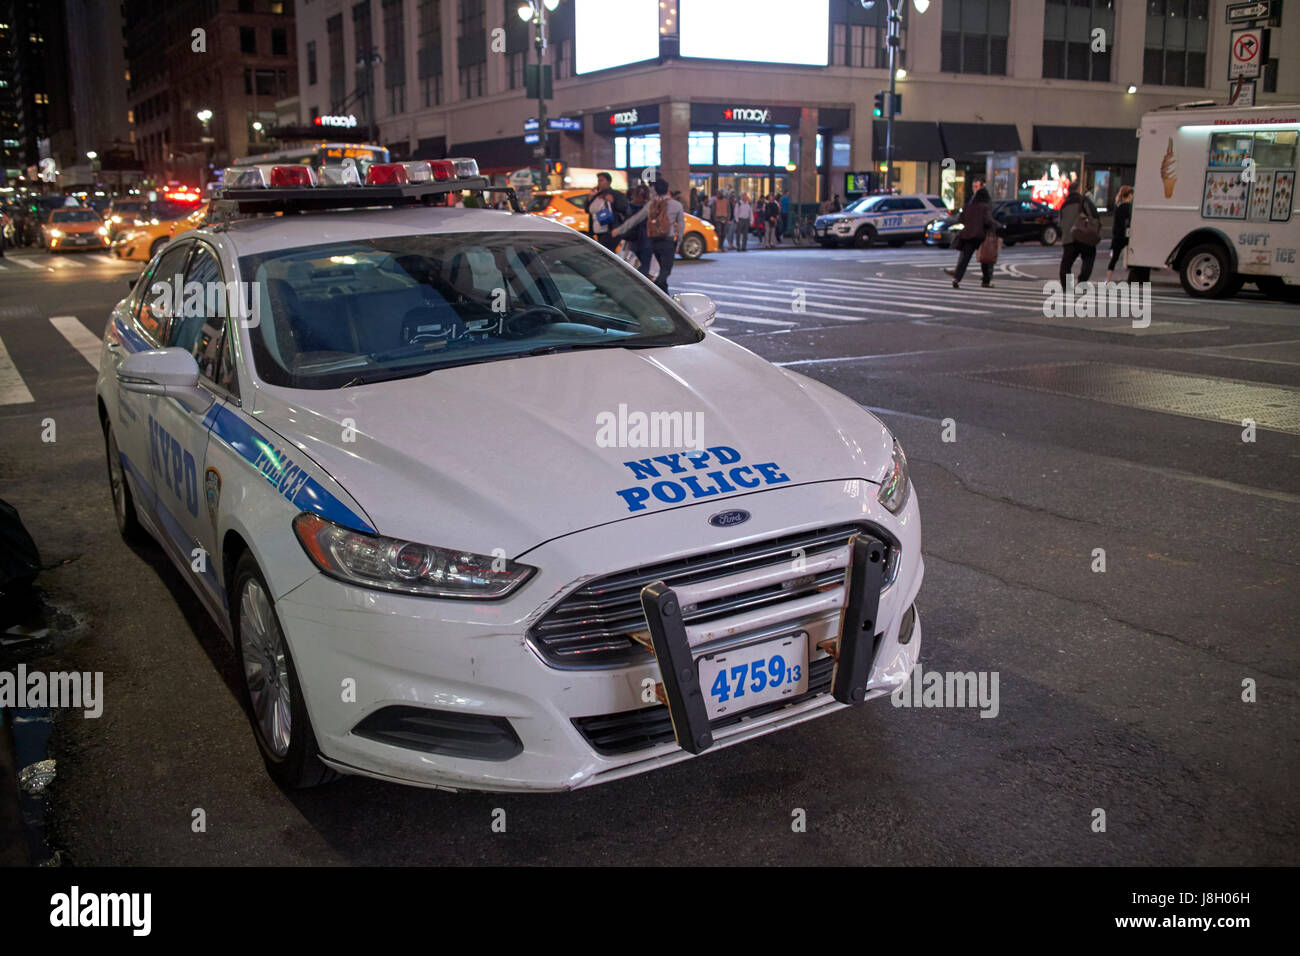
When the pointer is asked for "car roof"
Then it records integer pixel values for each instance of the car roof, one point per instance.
(261, 234)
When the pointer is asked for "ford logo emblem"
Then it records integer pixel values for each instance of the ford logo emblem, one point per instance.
(725, 519)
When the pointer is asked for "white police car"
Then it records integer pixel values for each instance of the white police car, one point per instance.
(479, 507)
(889, 218)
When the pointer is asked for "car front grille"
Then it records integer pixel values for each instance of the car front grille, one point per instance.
(614, 734)
(737, 589)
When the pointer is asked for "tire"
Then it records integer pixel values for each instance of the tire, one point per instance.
(1049, 236)
(1205, 272)
(692, 246)
(124, 513)
(864, 238)
(291, 756)
(157, 244)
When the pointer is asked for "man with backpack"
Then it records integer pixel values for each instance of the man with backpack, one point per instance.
(606, 209)
(665, 224)
(1081, 230)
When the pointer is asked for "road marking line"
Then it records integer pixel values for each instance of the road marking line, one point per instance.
(750, 307)
(745, 318)
(26, 264)
(13, 390)
(79, 337)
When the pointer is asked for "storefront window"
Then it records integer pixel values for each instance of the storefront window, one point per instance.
(821, 139)
(620, 152)
(700, 149)
(781, 149)
(643, 151)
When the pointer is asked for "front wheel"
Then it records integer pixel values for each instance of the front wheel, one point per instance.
(1049, 236)
(128, 524)
(864, 238)
(272, 694)
(1206, 272)
(692, 246)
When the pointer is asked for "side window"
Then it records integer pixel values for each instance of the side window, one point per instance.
(910, 205)
(579, 201)
(160, 289)
(938, 203)
(202, 306)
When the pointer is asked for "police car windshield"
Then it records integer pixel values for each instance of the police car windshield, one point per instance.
(367, 310)
(863, 204)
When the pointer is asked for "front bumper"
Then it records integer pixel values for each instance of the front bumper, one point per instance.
(475, 660)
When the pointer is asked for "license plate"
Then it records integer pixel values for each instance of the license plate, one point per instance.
(756, 674)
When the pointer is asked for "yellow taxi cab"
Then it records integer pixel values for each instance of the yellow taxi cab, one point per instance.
(74, 227)
(166, 220)
(569, 207)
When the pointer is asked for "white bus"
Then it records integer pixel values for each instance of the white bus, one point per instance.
(1215, 198)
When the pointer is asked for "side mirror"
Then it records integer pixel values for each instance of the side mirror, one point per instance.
(171, 373)
(698, 306)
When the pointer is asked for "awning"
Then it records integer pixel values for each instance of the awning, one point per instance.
(914, 141)
(1101, 145)
(965, 142)
(496, 155)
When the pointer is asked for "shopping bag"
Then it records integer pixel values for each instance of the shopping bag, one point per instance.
(988, 253)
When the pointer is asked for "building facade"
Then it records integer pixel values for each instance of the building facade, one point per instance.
(234, 59)
(1013, 75)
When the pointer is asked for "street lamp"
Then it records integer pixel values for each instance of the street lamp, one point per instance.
(92, 155)
(895, 74)
(257, 130)
(205, 117)
(534, 11)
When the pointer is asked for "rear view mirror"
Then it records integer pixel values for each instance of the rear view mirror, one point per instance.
(171, 373)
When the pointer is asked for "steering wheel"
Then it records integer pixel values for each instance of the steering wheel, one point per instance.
(530, 321)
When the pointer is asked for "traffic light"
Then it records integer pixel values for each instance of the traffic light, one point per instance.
(879, 110)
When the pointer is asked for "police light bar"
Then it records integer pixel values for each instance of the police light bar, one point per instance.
(298, 188)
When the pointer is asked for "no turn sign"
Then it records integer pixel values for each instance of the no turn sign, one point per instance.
(1249, 48)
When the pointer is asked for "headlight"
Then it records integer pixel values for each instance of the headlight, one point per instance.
(102, 230)
(392, 565)
(894, 486)
(56, 233)
(956, 227)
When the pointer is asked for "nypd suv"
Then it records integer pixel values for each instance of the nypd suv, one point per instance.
(479, 507)
(890, 218)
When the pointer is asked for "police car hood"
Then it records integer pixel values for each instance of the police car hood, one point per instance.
(513, 453)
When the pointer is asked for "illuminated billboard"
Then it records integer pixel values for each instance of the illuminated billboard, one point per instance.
(759, 31)
(608, 34)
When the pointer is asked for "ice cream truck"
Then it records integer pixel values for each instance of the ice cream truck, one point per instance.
(1215, 198)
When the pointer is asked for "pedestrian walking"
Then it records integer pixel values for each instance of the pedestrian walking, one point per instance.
(836, 205)
(1119, 229)
(664, 222)
(976, 223)
(744, 214)
(1081, 229)
(634, 234)
(606, 208)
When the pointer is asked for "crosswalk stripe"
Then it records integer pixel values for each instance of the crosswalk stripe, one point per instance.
(756, 321)
(79, 337)
(65, 263)
(751, 307)
(723, 291)
(876, 296)
(983, 297)
(13, 390)
(25, 263)
(944, 287)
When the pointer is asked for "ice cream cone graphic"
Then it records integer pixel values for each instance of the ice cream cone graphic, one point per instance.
(1169, 170)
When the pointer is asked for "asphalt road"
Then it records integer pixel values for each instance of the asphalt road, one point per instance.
(1120, 691)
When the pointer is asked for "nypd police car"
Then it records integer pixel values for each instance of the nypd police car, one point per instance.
(888, 218)
(426, 468)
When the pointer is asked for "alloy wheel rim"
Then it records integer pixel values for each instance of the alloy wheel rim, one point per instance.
(266, 668)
